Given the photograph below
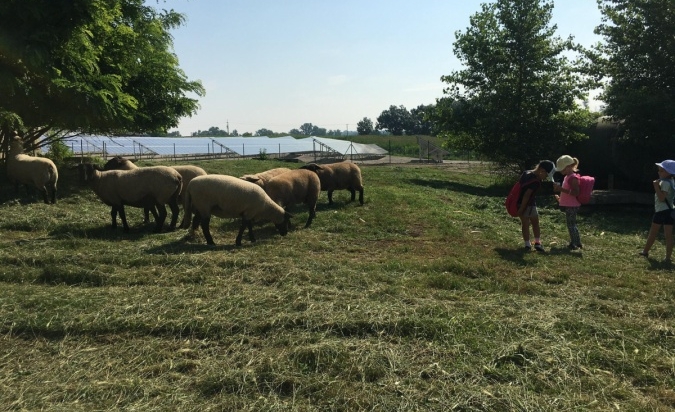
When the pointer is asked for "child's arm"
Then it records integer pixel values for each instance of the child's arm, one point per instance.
(657, 189)
(526, 199)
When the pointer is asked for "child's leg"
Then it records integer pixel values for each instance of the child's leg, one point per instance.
(525, 228)
(651, 237)
(668, 232)
(571, 220)
(535, 228)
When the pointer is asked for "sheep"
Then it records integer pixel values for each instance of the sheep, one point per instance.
(263, 177)
(338, 176)
(39, 172)
(295, 186)
(187, 173)
(230, 197)
(146, 187)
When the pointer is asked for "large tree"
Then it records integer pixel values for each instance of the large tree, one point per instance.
(637, 59)
(515, 101)
(92, 66)
(395, 120)
(364, 126)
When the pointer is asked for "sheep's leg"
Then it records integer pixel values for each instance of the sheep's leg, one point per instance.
(205, 229)
(173, 205)
(146, 214)
(245, 224)
(312, 215)
(361, 195)
(353, 192)
(123, 216)
(330, 197)
(161, 210)
(113, 215)
(45, 194)
(195, 223)
(53, 189)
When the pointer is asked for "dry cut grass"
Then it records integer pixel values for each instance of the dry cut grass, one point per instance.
(421, 299)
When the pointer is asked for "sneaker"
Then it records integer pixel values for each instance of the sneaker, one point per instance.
(527, 248)
(538, 247)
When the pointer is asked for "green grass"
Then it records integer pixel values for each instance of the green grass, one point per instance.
(418, 300)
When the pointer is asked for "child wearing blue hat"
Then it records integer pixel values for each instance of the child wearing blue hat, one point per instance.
(664, 193)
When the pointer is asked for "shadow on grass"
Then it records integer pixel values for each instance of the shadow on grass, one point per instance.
(517, 256)
(494, 190)
(104, 232)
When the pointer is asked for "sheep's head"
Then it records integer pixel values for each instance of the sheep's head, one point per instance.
(312, 166)
(283, 226)
(119, 163)
(86, 171)
(15, 146)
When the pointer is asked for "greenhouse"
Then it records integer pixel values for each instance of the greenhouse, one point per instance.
(138, 147)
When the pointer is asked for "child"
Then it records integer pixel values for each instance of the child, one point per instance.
(530, 181)
(664, 188)
(567, 165)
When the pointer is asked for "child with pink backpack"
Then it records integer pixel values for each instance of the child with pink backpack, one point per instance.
(569, 190)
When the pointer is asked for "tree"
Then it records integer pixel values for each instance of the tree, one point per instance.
(395, 120)
(365, 126)
(515, 100)
(214, 131)
(264, 132)
(638, 61)
(306, 129)
(91, 66)
(421, 122)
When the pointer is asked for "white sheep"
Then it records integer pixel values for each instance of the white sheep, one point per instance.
(293, 187)
(145, 187)
(338, 176)
(39, 172)
(187, 173)
(263, 177)
(230, 197)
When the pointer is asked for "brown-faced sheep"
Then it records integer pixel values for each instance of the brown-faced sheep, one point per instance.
(263, 177)
(38, 172)
(187, 173)
(146, 187)
(230, 197)
(293, 187)
(338, 176)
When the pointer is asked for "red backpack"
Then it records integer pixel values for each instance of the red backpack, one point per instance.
(511, 202)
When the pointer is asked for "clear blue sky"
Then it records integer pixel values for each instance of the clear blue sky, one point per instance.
(278, 64)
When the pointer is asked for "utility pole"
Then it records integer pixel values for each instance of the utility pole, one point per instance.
(228, 127)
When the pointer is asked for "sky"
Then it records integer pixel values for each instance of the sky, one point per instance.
(278, 64)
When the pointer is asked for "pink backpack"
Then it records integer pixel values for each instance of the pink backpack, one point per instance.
(585, 188)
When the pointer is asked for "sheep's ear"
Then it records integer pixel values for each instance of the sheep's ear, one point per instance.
(250, 178)
(311, 166)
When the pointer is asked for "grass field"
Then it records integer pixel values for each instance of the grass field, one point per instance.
(421, 299)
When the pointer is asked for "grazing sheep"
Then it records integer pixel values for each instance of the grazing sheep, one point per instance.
(187, 173)
(338, 176)
(145, 187)
(230, 197)
(295, 186)
(39, 172)
(263, 177)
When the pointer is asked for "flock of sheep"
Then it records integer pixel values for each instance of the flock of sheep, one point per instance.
(254, 197)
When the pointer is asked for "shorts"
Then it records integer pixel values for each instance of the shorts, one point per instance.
(531, 211)
(663, 217)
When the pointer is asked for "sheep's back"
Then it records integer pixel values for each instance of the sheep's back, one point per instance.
(134, 187)
(262, 178)
(295, 186)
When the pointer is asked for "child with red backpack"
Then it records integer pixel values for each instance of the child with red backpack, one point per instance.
(530, 181)
(568, 201)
